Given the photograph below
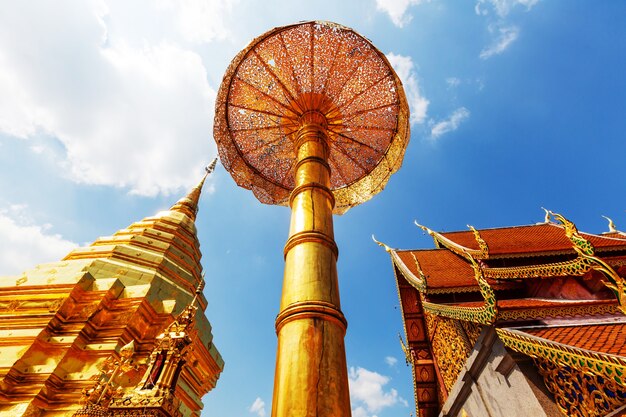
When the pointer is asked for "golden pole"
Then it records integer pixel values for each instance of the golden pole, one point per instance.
(311, 373)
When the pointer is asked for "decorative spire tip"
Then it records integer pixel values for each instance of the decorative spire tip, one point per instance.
(424, 228)
(612, 228)
(189, 204)
(211, 167)
(547, 218)
(381, 244)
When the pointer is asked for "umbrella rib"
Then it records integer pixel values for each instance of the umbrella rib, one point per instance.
(330, 71)
(356, 68)
(340, 172)
(255, 110)
(312, 59)
(263, 93)
(375, 128)
(356, 162)
(270, 142)
(274, 76)
(358, 113)
(356, 96)
(284, 177)
(263, 144)
(248, 129)
(355, 140)
(293, 70)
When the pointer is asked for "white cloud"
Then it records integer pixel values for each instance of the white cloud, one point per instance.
(450, 124)
(24, 245)
(396, 9)
(506, 36)
(200, 20)
(503, 7)
(453, 82)
(130, 111)
(367, 393)
(391, 361)
(360, 412)
(258, 407)
(404, 67)
(479, 10)
(503, 33)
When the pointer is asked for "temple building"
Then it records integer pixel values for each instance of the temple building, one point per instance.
(115, 328)
(516, 321)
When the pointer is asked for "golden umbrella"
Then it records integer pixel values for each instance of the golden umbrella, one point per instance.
(311, 115)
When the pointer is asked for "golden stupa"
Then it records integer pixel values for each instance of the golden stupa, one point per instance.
(63, 323)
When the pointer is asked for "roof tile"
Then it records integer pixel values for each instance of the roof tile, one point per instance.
(443, 269)
(608, 338)
(543, 237)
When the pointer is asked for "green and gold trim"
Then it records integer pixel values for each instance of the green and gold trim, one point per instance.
(486, 314)
(583, 263)
(606, 365)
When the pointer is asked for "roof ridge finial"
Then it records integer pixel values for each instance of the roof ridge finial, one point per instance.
(612, 228)
(484, 248)
(546, 219)
(381, 244)
(189, 204)
(424, 228)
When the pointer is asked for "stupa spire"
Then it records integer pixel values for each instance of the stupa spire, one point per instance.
(189, 204)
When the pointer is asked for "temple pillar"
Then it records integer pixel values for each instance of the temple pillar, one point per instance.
(311, 373)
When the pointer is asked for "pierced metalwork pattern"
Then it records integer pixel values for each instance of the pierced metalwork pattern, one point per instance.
(451, 347)
(581, 393)
(311, 67)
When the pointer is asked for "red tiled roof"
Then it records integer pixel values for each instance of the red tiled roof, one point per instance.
(524, 303)
(615, 235)
(443, 269)
(607, 338)
(543, 237)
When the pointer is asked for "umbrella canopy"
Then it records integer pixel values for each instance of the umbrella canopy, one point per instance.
(311, 66)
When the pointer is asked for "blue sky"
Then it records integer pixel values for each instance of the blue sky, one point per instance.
(106, 112)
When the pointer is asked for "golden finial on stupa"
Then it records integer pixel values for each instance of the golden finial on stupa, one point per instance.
(189, 204)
